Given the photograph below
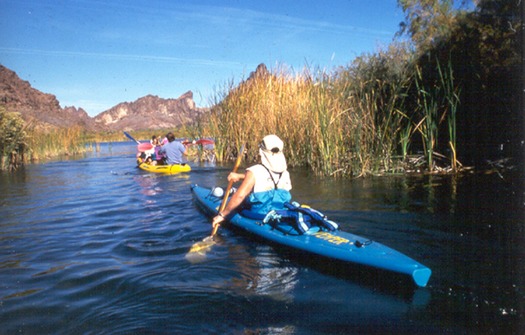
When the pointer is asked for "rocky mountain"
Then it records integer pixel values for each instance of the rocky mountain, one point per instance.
(150, 112)
(43, 110)
(39, 109)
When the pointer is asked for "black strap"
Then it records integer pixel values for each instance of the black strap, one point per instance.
(271, 176)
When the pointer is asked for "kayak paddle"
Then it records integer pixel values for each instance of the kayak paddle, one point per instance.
(198, 250)
(131, 137)
(141, 146)
(228, 189)
(202, 142)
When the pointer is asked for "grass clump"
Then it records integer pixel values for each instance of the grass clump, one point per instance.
(62, 141)
(21, 142)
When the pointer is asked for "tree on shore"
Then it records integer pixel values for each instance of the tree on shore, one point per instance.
(482, 47)
(13, 140)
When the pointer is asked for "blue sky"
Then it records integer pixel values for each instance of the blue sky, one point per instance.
(95, 54)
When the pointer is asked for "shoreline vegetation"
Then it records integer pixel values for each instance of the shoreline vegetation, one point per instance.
(414, 107)
(344, 124)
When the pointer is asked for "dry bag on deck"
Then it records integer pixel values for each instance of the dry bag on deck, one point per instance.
(301, 218)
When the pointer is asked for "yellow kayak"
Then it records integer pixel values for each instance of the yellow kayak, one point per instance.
(167, 169)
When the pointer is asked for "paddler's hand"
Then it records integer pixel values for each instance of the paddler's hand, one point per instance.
(217, 220)
(235, 177)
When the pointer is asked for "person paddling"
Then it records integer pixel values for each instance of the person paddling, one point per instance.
(265, 186)
(173, 150)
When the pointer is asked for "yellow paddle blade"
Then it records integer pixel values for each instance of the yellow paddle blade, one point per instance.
(203, 245)
(198, 250)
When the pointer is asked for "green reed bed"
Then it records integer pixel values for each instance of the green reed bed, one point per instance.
(64, 141)
(374, 89)
(352, 122)
(327, 124)
(22, 142)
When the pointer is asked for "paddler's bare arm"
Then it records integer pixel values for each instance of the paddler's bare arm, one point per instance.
(238, 197)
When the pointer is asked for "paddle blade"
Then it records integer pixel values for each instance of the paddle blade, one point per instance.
(205, 142)
(197, 253)
(131, 137)
(144, 147)
(201, 142)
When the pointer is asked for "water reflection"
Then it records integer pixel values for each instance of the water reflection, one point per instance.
(97, 246)
(263, 273)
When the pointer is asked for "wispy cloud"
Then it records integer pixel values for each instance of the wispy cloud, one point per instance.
(121, 57)
(198, 26)
(252, 19)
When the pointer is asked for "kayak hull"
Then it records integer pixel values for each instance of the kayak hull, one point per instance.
(165, 169)
(339, 245)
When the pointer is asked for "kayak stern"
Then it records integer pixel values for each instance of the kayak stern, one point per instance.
(421, 276)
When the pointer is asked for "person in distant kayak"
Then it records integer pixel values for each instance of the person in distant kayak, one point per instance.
(265, 186)
(151, 155)
(173, 150)
(156, 142)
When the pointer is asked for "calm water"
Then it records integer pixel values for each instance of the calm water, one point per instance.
(96, 246)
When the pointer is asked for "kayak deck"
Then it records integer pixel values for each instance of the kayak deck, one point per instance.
(336, 244)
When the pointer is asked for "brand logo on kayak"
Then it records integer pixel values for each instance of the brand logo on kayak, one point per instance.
(331, 238)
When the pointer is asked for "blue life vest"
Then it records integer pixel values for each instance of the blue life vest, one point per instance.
(258, 204)
(261, 203)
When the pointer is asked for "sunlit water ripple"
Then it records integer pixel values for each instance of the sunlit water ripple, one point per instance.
(96, 246)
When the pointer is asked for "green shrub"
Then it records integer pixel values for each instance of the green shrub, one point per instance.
(13, 140)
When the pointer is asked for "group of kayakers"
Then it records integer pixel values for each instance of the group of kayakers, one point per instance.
(265, 186)
(169, 151)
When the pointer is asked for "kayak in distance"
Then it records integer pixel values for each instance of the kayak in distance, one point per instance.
(166, 169)
(319, 236)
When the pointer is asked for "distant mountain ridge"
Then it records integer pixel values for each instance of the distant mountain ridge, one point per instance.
(44, 112)
(150, 112)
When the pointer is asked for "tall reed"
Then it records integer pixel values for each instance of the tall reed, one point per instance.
(451, 94)
(428, 128)
(438, 100)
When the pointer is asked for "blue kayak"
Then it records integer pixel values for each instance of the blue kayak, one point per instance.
(322, 241)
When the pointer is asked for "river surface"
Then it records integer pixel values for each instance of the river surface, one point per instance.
(93, 245)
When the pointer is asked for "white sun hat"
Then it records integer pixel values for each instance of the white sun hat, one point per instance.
(271, 150)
